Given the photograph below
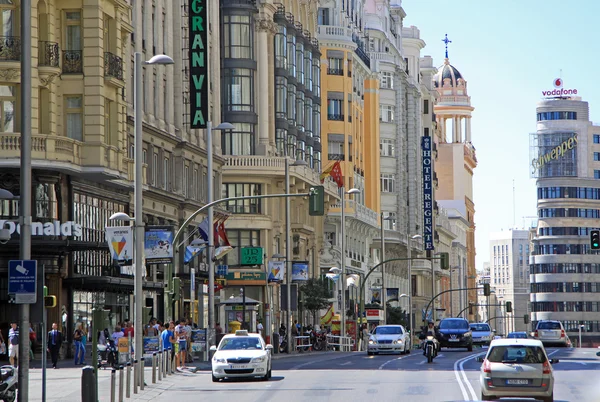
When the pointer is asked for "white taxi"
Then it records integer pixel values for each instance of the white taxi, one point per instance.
(241, 354)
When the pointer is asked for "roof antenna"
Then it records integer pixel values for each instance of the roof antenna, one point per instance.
(514, 206)
(446, 41)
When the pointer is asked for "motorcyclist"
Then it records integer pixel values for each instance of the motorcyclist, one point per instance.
(431, 330)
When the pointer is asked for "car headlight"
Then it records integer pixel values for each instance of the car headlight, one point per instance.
(371, 341)
(219, 360)
(259, 359)
(397, 341)
(467, 334)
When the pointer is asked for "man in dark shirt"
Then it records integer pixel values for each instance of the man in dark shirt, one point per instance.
(55, 339)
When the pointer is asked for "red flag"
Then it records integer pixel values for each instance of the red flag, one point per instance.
(216, 233)
(337, 175)
(223, 234)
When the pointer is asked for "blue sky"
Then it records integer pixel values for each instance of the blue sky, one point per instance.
(509, 52)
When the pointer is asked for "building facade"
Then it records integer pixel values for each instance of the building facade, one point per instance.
(509, 259)
(564, 271)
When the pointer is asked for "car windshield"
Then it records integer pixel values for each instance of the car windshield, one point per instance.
(241, 343)
(549, 325)
(480, 327)
(388, 331)
(516, 354)
(517, 335)
(454, 324)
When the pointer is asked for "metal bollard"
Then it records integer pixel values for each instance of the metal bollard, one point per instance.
(160, 365)
(135, 377)
(121, 384)
(112, 385)
(168, 361)
(142, 365)
(154, 368)
(88, 384)
(128, 385)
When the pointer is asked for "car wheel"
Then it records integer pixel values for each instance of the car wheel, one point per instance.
(487, 398)
(470, 347)
(549, 399)
(369, 353)
(214, 379)
(269, 374)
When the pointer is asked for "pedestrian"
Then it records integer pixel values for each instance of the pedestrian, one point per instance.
(116, 335)
(188, 333)
(13, 344)
(218, 328)
(2, 344)
(259, 327)
(32, 340)
(84, 340)
(181, 336)
(79, 350)
(365, 337)
(151, 328)
(55, 339)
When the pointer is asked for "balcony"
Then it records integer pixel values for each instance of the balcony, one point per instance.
(10, 48)
(363, 56)
(335, 71)
(48, 54)
(72, 62)
(333, 33)
(358, 212)
(336, 157)
(113, 66)
(335, 117)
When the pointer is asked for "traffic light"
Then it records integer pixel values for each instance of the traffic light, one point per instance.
(316, 201)
(509, 307)
(176, 288)
(486, 289)
(49, 301)
(595, 239)
(526, 318)
(470, 308)
(445, 260)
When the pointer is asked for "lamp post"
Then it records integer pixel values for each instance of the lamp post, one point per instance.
(383, 290)
(409, 250)
(288, 248)
(343, 258)
(211, 230)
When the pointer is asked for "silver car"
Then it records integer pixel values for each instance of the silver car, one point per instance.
(388, 338)
(517, 368)
(551, 332)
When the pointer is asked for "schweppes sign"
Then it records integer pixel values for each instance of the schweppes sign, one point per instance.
(556, 153)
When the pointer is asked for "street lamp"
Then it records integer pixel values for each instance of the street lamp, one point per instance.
(138, 189)
(409, 250)
(343, 259)
(288, 247)
(211, 229)
(383, 290)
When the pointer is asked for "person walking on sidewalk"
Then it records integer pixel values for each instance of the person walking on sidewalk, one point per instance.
(79, 350)
(181, 336)
(55, 339)
(13, 344)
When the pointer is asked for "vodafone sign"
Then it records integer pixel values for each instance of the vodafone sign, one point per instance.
(558, 90)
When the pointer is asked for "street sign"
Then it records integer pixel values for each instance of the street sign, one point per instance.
(252, 255)
(22, 281)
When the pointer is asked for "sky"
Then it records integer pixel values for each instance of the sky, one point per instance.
(509, 52)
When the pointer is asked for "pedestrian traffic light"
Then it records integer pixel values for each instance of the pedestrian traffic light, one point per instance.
(595, 239)
(316, 201)
(445, 260)
(526, 318)
(486, 289)
(49, 301)
(509, 307)
(176, 288)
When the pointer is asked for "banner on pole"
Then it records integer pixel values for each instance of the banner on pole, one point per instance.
(158, 244)
(276, 271)
(120, 244)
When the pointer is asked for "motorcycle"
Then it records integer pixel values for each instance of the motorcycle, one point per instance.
(429, 346)
(8, 383)
(283, 344)
(108, 357)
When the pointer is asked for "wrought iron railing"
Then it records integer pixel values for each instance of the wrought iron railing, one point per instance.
(10, 48)
(113, 66)
(336, 117)
(49, 54)
(336, 157)
(363, 56)
(335, 71)
(72, 61)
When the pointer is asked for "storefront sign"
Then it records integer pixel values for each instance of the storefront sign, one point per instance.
(374, 313)
(556, 153)
(54, 228)
(243, 278)
(158, 244)
(427, 193)
(559, 90)
(219, 284)
(252, 255)
(198, 23)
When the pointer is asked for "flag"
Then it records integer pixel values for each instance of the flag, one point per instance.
(326, 319)
(327, 171)
(203, 229)
(191, 252)
(221, 251)
(337, 175)
(223, 234)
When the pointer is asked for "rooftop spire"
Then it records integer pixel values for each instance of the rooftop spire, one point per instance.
(446, 41)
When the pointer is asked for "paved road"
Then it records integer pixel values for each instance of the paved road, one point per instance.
(345, 377)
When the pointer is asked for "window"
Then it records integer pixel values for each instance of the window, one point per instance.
(281, 97)
(291, 55)
(8, 106)
(242, 190)
(240, 239)
(386, 113)
(185, 184)
(426, 106)
(387, 183)
(238, 85)
(110, 135)
(557, 116)
(596, 156)
(238, 37)
(166, 179)
(387, 80)
(596, 174)
(291, 104)
(387, 147)
(74, 116)
(334, 109)
(323, 16)
(73, 37)
(165, 34)
(196, 186)
(300, 61)
(336, 66)
(239, 141)
(155, 169)
(8, 21)
(390, 221)
(281, 47)
(596, 138)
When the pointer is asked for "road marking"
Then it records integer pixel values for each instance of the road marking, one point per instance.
(346, 363)
(319, 361)
(460, 372)
(395, 360)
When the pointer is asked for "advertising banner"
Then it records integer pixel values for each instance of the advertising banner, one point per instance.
(375, 295)
(426, 146)
(198, 59)
(300, 271)
(276, 271)
(392, 294)
(123, 345)
(151, 344)
(120, 244)
(198, 340)
(158, 244)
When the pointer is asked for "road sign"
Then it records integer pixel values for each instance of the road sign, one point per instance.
(252, 256)
(22, 281)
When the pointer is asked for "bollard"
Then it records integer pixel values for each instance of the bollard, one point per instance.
(88, 384)
(160, 365)
(121, 384)
(142, 365)
(154, 368)
(135, 376)
(128, 386)
(112, 385)
(168, 359)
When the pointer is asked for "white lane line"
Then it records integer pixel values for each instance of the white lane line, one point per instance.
(459, 371)
(320, 361)
(464, 375)
(395, 360)
(345, 364)
(460, 384)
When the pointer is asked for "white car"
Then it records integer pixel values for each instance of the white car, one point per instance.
(517, 368)
(551, 332)
(388, 338)
(241, 354)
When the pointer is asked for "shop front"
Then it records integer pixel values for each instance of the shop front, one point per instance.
(245, 292)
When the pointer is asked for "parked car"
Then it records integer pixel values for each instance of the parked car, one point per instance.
(551, 332)
(455, 333)
(517, 368)
(389, 338)
(482, 333)
(241, 354)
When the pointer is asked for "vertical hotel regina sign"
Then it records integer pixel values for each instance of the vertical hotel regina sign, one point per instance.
(198, 24)
(427, 193)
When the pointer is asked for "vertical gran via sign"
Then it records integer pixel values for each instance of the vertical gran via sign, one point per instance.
(198, 58)
(427, 193)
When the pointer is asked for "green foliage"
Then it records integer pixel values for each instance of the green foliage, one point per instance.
(315, 295)
(396, 316)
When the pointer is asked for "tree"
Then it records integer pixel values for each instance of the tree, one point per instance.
(315, 295)
(395, 315)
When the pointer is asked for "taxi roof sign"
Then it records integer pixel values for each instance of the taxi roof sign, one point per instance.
(241, 332)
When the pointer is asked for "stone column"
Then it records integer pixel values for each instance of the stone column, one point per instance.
(454, 129)
(263, 27)
(468, 129)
